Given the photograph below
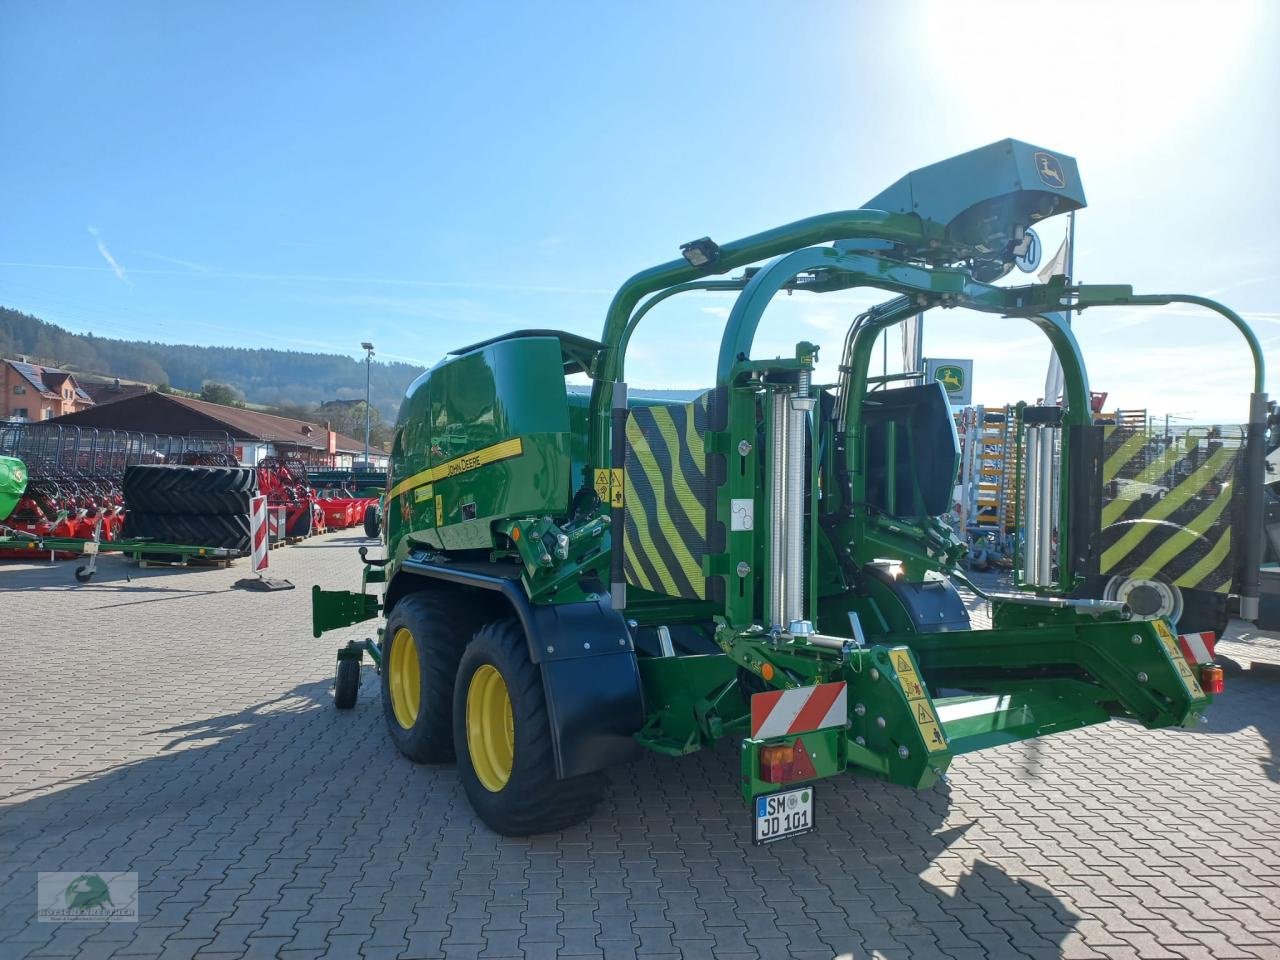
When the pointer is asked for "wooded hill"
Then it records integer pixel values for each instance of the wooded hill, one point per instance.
(288, 381)
(262, 376)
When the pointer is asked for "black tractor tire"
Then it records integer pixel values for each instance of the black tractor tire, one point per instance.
(230, 532)
(163, 488)
(372, 522)
(532, 800)
(346, 686)
(430, 623)
(1203, 611)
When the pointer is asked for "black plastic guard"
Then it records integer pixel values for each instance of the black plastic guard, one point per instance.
(1084, 466)
(595, 709)
(589, 671)
(592, 684)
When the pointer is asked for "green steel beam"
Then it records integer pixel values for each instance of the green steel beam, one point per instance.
(625, 340)
(1089, 295)
(824, 228)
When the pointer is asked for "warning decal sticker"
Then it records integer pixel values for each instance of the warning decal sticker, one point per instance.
(1179, 661)
(921, 708)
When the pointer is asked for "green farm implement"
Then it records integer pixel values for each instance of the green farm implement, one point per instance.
(571, 579)
(13, 483)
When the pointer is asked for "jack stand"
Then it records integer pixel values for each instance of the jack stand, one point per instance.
(85, 572)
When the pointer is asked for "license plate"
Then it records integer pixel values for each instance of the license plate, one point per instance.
(785, 814)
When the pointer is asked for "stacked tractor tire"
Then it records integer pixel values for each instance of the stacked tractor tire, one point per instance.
(203, 506)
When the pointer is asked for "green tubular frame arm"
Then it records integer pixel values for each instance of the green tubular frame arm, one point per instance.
(839, 268)
(1092, 295)
(740, 253)
(710, 285)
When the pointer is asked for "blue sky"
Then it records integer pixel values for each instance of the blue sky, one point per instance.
(310, 175)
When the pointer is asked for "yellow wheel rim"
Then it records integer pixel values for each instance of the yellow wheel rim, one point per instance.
(404, 678)
(491, 731)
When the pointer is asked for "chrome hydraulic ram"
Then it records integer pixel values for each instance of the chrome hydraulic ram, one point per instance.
(1048, 482)
(777, 511)
(797, 415)
(1031, 510)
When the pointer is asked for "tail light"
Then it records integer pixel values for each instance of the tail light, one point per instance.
(1211, 678)
(776, 763)
(785, 763)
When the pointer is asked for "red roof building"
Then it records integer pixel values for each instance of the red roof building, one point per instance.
(251, 433)
(33, 393)
(106, 391)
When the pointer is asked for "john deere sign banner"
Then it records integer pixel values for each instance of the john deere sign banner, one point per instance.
(956, 377)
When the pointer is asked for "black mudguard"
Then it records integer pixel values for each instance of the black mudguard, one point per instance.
(933, 606)
(589, 671)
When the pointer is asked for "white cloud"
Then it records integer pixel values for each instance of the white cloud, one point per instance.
(106, 255)
(189, 264)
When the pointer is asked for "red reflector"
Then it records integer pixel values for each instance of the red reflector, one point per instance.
(1211, 678)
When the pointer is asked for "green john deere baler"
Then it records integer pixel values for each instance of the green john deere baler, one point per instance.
(571, 579)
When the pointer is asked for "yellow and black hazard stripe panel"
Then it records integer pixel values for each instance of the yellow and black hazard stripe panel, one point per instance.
(668, 499)
(1167, 508)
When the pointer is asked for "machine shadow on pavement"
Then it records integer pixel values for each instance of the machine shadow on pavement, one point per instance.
(289, 801)
(1238, 712)
(114, 574)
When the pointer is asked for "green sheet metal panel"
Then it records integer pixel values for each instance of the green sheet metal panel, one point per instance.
(482, 436)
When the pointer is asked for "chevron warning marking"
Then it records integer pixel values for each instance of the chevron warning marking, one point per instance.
(780, 713)
(1198, 647)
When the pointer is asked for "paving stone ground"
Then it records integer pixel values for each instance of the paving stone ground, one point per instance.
(170, 726)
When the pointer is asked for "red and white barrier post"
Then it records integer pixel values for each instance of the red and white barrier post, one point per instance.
(258, 533)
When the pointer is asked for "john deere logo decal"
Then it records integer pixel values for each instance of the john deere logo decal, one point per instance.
(1050, 169)
(951, 377)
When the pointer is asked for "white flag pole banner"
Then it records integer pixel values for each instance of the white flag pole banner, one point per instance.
(1054, 382)
(913, 345)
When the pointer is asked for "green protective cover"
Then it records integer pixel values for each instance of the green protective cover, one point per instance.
(482, 436)
(13, 483)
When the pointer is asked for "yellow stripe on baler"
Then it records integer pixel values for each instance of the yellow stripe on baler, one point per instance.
(463, 464)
